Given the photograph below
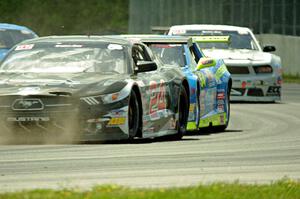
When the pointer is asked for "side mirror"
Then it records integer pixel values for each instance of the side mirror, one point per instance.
(145, 66)
(269, 48)
(206, 62)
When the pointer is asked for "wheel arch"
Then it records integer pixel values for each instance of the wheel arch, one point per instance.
(187, 89)
(136, 89)
(198, 88)
(229, 85)
(185, 84)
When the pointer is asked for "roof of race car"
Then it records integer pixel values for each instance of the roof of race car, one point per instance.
(80, 38)
(14, 27)
(208, 27)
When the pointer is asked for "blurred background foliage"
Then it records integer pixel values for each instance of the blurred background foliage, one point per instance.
(58, 17)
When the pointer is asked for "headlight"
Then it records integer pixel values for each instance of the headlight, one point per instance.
(108, 98)
(105, 99)
(117, 96)
(263, 69)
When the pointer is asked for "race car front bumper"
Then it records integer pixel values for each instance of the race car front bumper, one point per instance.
(256, 88)
(54, 117)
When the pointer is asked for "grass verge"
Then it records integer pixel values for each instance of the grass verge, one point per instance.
(287, 78)
(287, 189)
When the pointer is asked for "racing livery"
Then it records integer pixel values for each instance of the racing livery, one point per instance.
(256, 74)
(11, 34)
(96, 87)
(209, 81)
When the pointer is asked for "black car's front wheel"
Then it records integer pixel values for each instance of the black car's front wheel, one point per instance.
(183, 111)
(133, 115)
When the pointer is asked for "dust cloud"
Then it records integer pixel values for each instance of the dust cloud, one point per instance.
(67, 131)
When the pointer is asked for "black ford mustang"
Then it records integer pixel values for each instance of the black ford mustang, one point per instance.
(89, 88)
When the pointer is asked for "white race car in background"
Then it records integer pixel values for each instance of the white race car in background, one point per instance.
(256, 74)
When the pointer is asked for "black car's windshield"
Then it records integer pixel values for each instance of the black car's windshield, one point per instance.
(172, 54)
(8, 38)
(238, 40)
(66, 58)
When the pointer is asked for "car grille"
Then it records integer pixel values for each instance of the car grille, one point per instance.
(238, 69)
(255, 92)
(37, 112)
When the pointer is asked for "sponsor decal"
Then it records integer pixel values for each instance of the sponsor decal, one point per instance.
(202, 79)
(118, 112)
(192, 107)
(221, 96)
(179, 31)
(157, 96)
(221, 70)
(28, 119)
(220, 108)
(222, 119)
(114, 47)
(25, 47)
(244, 84)
(116, 121)
(220, 102)
(99, 120)
(273, 91)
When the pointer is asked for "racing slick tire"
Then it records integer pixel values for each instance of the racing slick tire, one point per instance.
(133, 116)
(183, 111)
(198, 104)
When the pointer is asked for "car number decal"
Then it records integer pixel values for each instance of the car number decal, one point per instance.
(157, 99)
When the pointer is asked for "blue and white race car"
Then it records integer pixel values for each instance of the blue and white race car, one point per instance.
(11, 34)
(209, 81)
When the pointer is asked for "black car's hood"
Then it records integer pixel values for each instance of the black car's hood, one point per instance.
(82, 84)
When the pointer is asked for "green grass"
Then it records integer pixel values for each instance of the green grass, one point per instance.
(283, 189)
(287, 78)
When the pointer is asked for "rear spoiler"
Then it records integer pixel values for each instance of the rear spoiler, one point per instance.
(160, 29)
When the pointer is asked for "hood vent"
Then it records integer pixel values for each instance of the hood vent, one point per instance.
(60, 93)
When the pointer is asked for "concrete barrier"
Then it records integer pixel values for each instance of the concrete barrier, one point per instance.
(287, 47)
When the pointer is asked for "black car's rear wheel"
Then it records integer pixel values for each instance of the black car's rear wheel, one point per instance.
(133, 115)
(183, 111)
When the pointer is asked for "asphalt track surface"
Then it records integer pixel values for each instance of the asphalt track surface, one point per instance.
(261, 145)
